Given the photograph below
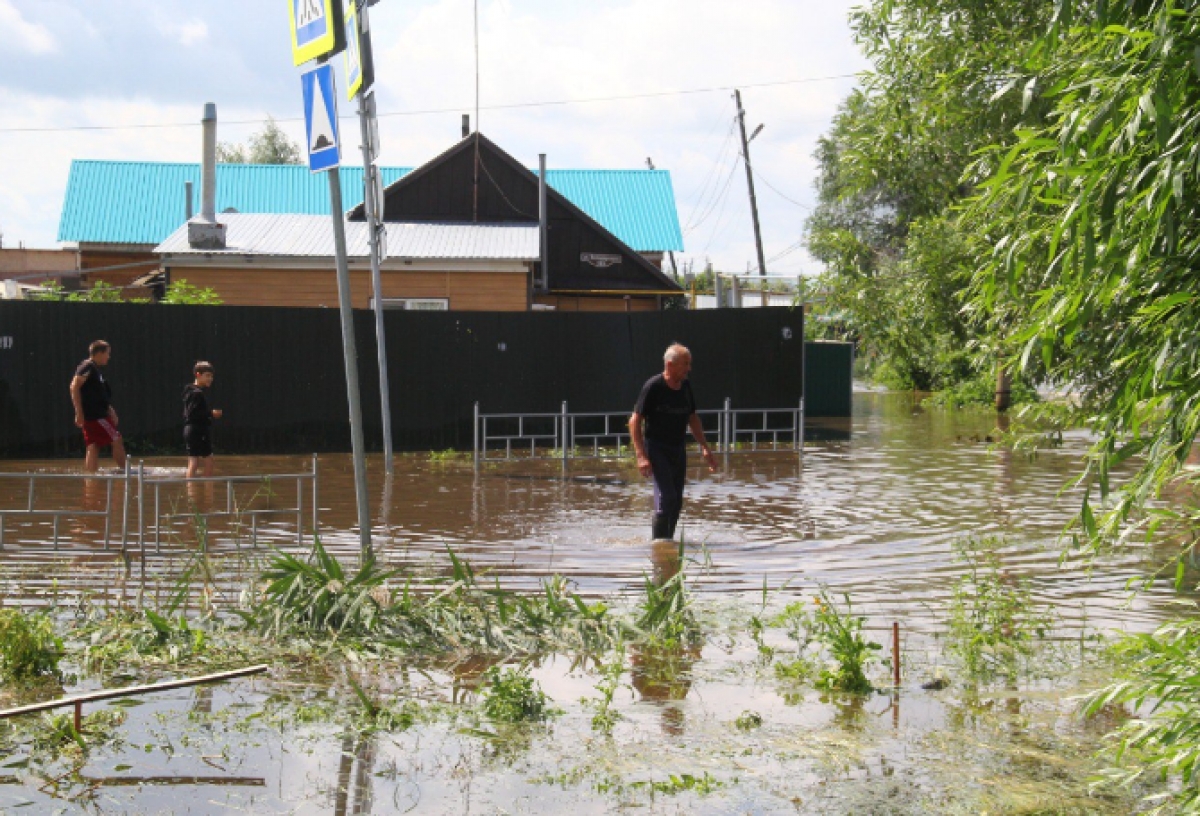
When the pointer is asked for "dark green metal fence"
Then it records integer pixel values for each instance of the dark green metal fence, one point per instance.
(279, 373)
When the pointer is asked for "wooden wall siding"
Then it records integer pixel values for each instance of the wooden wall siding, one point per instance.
(565, 303)
(93, 258)
(467, 291)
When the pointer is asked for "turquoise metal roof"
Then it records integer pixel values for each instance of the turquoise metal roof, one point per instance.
(115, 202)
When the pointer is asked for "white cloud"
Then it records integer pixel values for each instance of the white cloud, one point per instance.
(185, 32)
(29, 37)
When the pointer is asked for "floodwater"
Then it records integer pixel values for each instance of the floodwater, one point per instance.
(875, 515)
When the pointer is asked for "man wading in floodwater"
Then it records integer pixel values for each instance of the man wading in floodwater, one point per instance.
(665, 410)
(90, 394)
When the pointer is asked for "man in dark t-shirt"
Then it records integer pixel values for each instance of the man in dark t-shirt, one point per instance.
(197, 421)
(91, 395)
(665, 411)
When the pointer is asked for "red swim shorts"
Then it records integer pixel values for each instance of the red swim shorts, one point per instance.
(100, 432)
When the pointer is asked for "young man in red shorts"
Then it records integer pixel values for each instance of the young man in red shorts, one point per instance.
(90, 394)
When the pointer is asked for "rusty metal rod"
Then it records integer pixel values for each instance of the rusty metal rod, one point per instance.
(129, 691)
(896, 654)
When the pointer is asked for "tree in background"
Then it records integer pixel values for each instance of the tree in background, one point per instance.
(893, 168)
(269, 146)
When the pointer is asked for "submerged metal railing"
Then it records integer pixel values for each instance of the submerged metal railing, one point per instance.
(564, 436)
(138, 487)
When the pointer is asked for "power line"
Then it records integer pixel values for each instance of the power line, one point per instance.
(432, 111)
(779, 193)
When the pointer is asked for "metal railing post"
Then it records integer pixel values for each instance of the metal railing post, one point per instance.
(107, 511)
(125, 508)
(727, 422)
(299, 511)
(157, 517)
(475, 435)
(800, 430)
(141, 489)
(566, 435)
(316, 518)
(56, 532)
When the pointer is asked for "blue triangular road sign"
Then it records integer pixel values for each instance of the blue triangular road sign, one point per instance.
(320, 118)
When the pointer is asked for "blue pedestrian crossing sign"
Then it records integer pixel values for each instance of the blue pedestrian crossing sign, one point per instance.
(320, 118)
(318, 29)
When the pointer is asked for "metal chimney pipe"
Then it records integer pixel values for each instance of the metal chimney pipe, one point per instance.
(187, 192)
(543, 224)
(466, 125)
(206, 232)
(208, 188)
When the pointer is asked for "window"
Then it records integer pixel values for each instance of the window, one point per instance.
(414, 304)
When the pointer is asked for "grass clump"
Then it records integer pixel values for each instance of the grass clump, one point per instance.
(29, 646)
(995, 624)
(512, 696)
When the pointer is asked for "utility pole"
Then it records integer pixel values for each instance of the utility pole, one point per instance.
(741, 114)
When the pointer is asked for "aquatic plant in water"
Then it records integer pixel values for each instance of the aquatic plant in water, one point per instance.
(29, 646)
(838, 635)
(994, 621)
(512, 696)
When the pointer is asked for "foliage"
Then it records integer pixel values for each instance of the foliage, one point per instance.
(748, 721)
(831, 632)
(29, 646)
(269, 146)
(99, 292)
(892, 171)
(178, 292)
(665, 614)
(994, 621)
(317, 595)
(1095, 232)
(512, 696)
(980, 390)
(1160, 748)
(605, 717)
(181, 292)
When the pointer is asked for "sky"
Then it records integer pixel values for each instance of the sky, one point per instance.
(127, 80)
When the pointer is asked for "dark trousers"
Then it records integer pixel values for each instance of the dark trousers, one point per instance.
(669, 463)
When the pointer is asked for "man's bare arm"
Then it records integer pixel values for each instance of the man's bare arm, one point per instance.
(639, 443)
(698, 432)
(77, 398)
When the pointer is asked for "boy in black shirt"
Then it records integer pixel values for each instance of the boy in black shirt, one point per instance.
(665, 411)
(197, 422)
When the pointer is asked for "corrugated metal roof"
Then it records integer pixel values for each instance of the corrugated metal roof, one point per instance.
(143, 202)
(311, 236)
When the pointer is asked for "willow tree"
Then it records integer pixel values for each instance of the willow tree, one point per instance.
(1094, 225)
(894, 167)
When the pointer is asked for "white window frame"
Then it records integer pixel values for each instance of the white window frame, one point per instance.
(414, 304)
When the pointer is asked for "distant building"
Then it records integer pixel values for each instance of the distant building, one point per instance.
(609, 230)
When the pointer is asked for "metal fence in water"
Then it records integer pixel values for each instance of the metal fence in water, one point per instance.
(564, 436)
(151, 503)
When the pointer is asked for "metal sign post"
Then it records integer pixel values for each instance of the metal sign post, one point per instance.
(362, 75)
(324, 154)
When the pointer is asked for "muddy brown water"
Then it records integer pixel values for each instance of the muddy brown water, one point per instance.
(875, 515)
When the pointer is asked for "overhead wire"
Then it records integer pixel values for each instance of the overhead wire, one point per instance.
(712, 176)
(432, 111)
